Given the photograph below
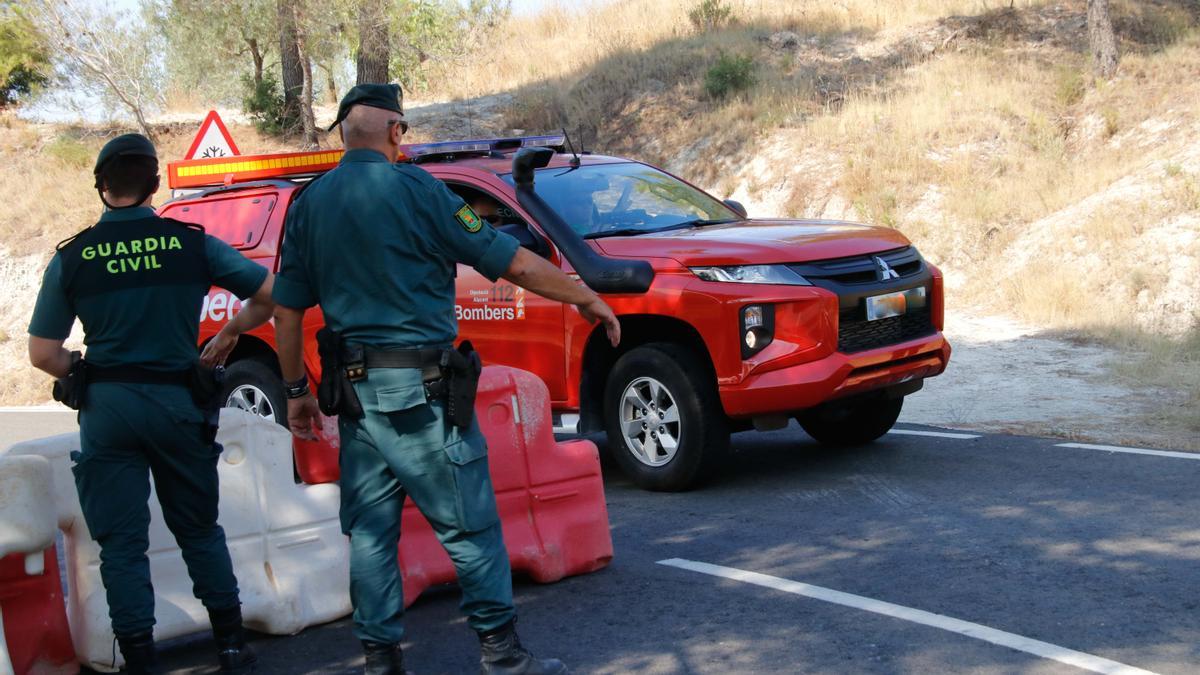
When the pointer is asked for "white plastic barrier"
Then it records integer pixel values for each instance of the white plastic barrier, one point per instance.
(291, 559)
(26, 522)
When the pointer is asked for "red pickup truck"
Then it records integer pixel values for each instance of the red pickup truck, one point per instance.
(729, 323)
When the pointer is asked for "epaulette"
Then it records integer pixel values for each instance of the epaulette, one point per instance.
(67, 242)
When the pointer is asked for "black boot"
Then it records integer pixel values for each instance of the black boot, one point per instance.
(502, 654)
(233, 654)
(138, 650)
(383, 659)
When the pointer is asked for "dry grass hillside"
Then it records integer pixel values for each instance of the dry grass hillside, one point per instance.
(974, 126)
(1070, 203)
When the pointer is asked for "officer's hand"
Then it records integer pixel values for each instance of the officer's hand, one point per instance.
(304, 417)
(219, 348)
(598, 310)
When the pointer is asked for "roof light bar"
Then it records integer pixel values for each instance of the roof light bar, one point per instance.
(194, 173)
(481, 145)
(199, 173)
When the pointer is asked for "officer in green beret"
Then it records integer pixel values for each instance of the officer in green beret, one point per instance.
(375, 243)
(146, 399)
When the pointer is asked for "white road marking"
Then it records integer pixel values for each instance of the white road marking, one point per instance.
(1045, 650)
(934, 434)
(1131, 451)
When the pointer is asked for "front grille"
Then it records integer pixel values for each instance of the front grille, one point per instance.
(856, 334)
(863, 269)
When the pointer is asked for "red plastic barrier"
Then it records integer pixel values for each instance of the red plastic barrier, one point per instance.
(35, 620)
(550, 495)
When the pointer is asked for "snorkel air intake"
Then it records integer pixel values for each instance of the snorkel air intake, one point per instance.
(601, 274)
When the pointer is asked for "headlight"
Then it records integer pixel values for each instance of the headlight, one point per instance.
(752, 274)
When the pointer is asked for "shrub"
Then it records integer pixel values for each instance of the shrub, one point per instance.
(71, 152)
(728, 75)
(1070, 85)
(264, 103)
(709, 15)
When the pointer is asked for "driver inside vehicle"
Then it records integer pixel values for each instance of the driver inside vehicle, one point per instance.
(487, 208)
(578, 206)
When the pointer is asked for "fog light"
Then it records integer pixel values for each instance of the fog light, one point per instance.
(752, 317)
(758, 328)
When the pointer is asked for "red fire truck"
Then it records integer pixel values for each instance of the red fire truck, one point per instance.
(729, 323)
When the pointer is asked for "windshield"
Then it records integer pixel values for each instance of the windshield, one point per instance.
(622, 199)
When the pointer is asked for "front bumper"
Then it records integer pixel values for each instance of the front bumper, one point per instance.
(838, 375)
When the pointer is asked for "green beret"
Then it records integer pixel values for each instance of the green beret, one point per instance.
(385, 96)
(124, 145)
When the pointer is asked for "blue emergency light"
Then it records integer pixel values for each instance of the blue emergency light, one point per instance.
(484, 146)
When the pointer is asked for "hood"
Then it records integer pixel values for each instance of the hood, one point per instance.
(749, 242)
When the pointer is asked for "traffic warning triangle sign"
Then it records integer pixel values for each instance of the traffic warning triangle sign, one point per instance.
(213, 140)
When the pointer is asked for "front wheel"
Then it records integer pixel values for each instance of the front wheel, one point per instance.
(851, 422)
(665, 424)
(252, 386)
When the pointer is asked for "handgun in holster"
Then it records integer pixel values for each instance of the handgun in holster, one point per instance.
(205, 385)
(70, 389)
(461, 368)
(339, 360)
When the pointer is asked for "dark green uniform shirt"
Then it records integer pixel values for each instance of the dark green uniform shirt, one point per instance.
(375, 244)
(137, 283)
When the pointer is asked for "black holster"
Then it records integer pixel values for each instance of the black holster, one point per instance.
(335, 393)
(461, 369)
(205, 385)
(70, 390)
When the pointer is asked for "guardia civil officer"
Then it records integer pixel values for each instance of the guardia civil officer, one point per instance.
(375, 244)
(146, 403)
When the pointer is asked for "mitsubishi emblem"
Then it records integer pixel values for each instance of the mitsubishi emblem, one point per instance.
(884, 270)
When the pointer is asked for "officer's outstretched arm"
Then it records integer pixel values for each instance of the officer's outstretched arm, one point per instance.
(531, 272)
(303, 414)
(258, 310)
(49, 356)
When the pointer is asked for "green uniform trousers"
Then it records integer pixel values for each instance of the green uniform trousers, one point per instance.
(405, 446)
(128, 432)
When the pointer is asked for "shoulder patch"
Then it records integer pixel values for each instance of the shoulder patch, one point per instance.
(471, 222)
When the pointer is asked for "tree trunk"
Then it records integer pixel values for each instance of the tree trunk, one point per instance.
(373, 42)
(258, 56)
(308, 123)
(1101, 39)
(331, 92)
(289, 60)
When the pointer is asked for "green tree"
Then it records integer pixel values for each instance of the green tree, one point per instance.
(212, 45)
(24, 59)
(110, 56)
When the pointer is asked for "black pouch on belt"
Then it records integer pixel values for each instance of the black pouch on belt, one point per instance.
(205, 385)
(70, 390)
(462, 368)
(335, 393)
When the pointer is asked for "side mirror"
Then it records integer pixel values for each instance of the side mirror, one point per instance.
(527, 238)
(737, 207)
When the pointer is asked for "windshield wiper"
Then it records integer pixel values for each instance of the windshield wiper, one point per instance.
(701, 222)
(623, 232)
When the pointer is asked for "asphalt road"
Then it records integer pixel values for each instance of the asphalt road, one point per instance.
(1054, 555)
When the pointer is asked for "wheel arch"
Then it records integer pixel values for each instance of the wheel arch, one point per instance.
(636, 330)
(252, 347)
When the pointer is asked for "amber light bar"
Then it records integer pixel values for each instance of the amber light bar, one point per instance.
(194, 173)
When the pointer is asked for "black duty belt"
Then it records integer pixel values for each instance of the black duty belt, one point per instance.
(429, 361)
(136, 375)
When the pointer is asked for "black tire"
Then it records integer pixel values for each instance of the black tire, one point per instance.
(701, 432)
(258, 389)
(851, 422)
